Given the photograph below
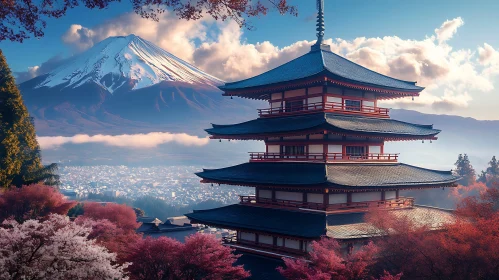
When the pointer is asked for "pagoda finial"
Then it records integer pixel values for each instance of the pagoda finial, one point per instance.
(320, 22)
(320, 28)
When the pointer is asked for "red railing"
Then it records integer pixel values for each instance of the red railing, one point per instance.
(327, 106)
(327, 157)
(389, 203)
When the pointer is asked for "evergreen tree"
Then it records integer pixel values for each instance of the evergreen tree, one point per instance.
(493, 169)
(20, 160)
(482, 178)
(465, 170)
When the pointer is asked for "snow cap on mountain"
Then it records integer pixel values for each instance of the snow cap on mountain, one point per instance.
(121, 60)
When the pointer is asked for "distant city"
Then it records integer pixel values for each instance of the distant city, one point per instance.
(176, 185)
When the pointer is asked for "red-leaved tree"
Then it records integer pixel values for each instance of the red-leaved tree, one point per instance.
(327, 262)
(466, 248)
(32, 202)
(23, 19)
(113, 226)
(200, 257)
(53, 249)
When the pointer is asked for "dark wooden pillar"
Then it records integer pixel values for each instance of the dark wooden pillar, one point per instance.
(305, 198)
(256, 238)
(383, 195)
(301, 245)
(257, 194)
(349, 197)
(273, 195)
(397, 194)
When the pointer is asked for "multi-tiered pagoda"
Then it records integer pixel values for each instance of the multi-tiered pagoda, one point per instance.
(324, 165)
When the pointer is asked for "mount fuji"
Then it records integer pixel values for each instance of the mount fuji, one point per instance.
(126, 84)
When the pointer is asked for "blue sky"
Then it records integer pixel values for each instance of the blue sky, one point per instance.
(411, 21)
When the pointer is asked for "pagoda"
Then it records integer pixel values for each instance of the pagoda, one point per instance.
(324, 165)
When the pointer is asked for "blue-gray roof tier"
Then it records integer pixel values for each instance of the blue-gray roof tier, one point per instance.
(311, 225)
(325, 121)
(318, 62)
(277, 221)
(341, 176)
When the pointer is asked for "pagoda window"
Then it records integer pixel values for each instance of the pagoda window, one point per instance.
(352, 105)
(294, 106)
(355, 151)
(279, 242)
(294, 150)
(274, 149)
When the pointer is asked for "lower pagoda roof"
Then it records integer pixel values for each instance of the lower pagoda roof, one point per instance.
(340, 176)
(310, 225)
(272, 220)
(319, 122)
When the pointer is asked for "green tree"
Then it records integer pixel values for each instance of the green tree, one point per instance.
(465, 170)
(493, 169)
(20, 160)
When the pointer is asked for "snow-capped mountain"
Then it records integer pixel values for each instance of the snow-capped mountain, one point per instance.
(125, 61)
(128, 85)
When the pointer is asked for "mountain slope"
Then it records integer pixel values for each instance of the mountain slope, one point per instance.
(130, 62)
(128, 85)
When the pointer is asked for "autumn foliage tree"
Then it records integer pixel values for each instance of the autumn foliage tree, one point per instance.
(466, 248)
(327, 261)
(32, 202)
(200, 257)
(53, 249)
(113, 226)
(23, 19)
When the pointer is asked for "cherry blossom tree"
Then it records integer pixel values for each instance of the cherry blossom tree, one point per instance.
(53, 249)
(326, 262)
(23, 19)
(32, 202)
(200, 257)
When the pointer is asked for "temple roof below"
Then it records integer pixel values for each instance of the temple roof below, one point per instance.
(326, 62)
(354, 227)
(310, 224)
(277, 221)
(341, 176)
(341, 124)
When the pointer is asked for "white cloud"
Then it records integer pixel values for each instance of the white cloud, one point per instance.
(221, 50)
(149, 140)
(448, 29)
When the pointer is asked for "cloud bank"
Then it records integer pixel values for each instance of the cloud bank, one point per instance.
(149, 140)
(451, 77)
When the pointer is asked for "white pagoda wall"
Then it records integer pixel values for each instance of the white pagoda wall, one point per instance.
(315, 197)
(375, 149)
(265, 194)
(292, 243)
(315, 149)
(390, 194)
(295, 196)
(335, 149)
(274, 148)
(248, 236)
(367, 196)
(336, 198)
(266, 239)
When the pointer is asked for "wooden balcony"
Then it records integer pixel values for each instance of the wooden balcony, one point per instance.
(325, 107)
(396, 203)
(320, 157)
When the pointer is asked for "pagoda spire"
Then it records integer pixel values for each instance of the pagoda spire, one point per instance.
(319, 45)
(320, 22)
